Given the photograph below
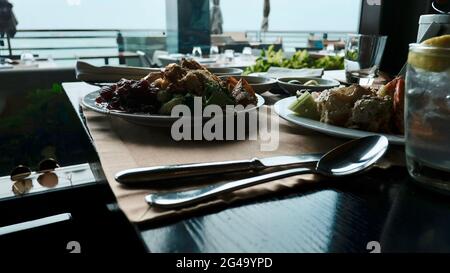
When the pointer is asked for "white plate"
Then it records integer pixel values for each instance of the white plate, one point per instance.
(281, 108)
(141, 119)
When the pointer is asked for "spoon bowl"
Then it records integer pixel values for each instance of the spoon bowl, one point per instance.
(349, 158)
(353, 157)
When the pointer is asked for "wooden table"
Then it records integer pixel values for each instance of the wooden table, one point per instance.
(384, 206)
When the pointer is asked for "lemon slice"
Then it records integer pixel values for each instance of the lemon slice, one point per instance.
(435, 59)
(441, 41)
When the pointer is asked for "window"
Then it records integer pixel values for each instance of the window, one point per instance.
(90, 14)
(298, 15)
(286, 15)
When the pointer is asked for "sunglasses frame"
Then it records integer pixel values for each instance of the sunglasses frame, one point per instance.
(21, 171)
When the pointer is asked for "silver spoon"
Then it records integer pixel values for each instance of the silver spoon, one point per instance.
(349, 158)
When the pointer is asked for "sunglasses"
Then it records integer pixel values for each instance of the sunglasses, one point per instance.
(21, 172)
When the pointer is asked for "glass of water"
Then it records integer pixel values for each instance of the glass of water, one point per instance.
(27, 58)
(229, 55)
(427, 116)
(363, 54)
(247, 51)
(214, 51)
(197, 52)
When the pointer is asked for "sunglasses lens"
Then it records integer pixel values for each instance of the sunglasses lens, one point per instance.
(48, 165)
(48, 180)
(22, 187)
(20, 172)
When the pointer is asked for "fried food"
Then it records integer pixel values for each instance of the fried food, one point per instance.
(243, 93)
(357, 107)
(335, 105)
(396, 90)
(195, 81)
(231, 83)
(191, 65)
(174, 72)
(153, 76)
(372, 113)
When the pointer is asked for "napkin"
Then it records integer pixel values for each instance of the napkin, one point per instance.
(122, 145)
(90, 73)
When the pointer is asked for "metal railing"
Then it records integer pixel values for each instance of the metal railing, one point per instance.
(71, 44)
(291, 39)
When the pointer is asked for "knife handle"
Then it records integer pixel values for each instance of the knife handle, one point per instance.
(158, 173)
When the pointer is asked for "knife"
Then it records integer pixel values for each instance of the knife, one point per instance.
(158, 173)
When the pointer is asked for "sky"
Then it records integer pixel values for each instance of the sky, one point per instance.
(239, 15)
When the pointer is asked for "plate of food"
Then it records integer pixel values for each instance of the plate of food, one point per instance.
(150, 100)
(349, 112)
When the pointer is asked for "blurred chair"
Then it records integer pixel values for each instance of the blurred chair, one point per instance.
(144, 59)
(156, 56)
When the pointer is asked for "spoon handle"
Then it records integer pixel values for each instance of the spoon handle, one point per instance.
(187, 198)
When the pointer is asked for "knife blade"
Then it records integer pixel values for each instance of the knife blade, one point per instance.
(158, 173)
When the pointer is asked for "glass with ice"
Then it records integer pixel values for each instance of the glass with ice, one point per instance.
(427, 115)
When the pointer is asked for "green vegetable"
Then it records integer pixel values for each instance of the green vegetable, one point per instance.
(330, 63)
(301, 59)
(163, 96)
(305, 107)
(352, 55)
(220, 98)
(210, 87)
(166, 108)
(215, 93)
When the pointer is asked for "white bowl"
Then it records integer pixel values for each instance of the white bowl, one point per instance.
(292, 88)
(221, 71)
